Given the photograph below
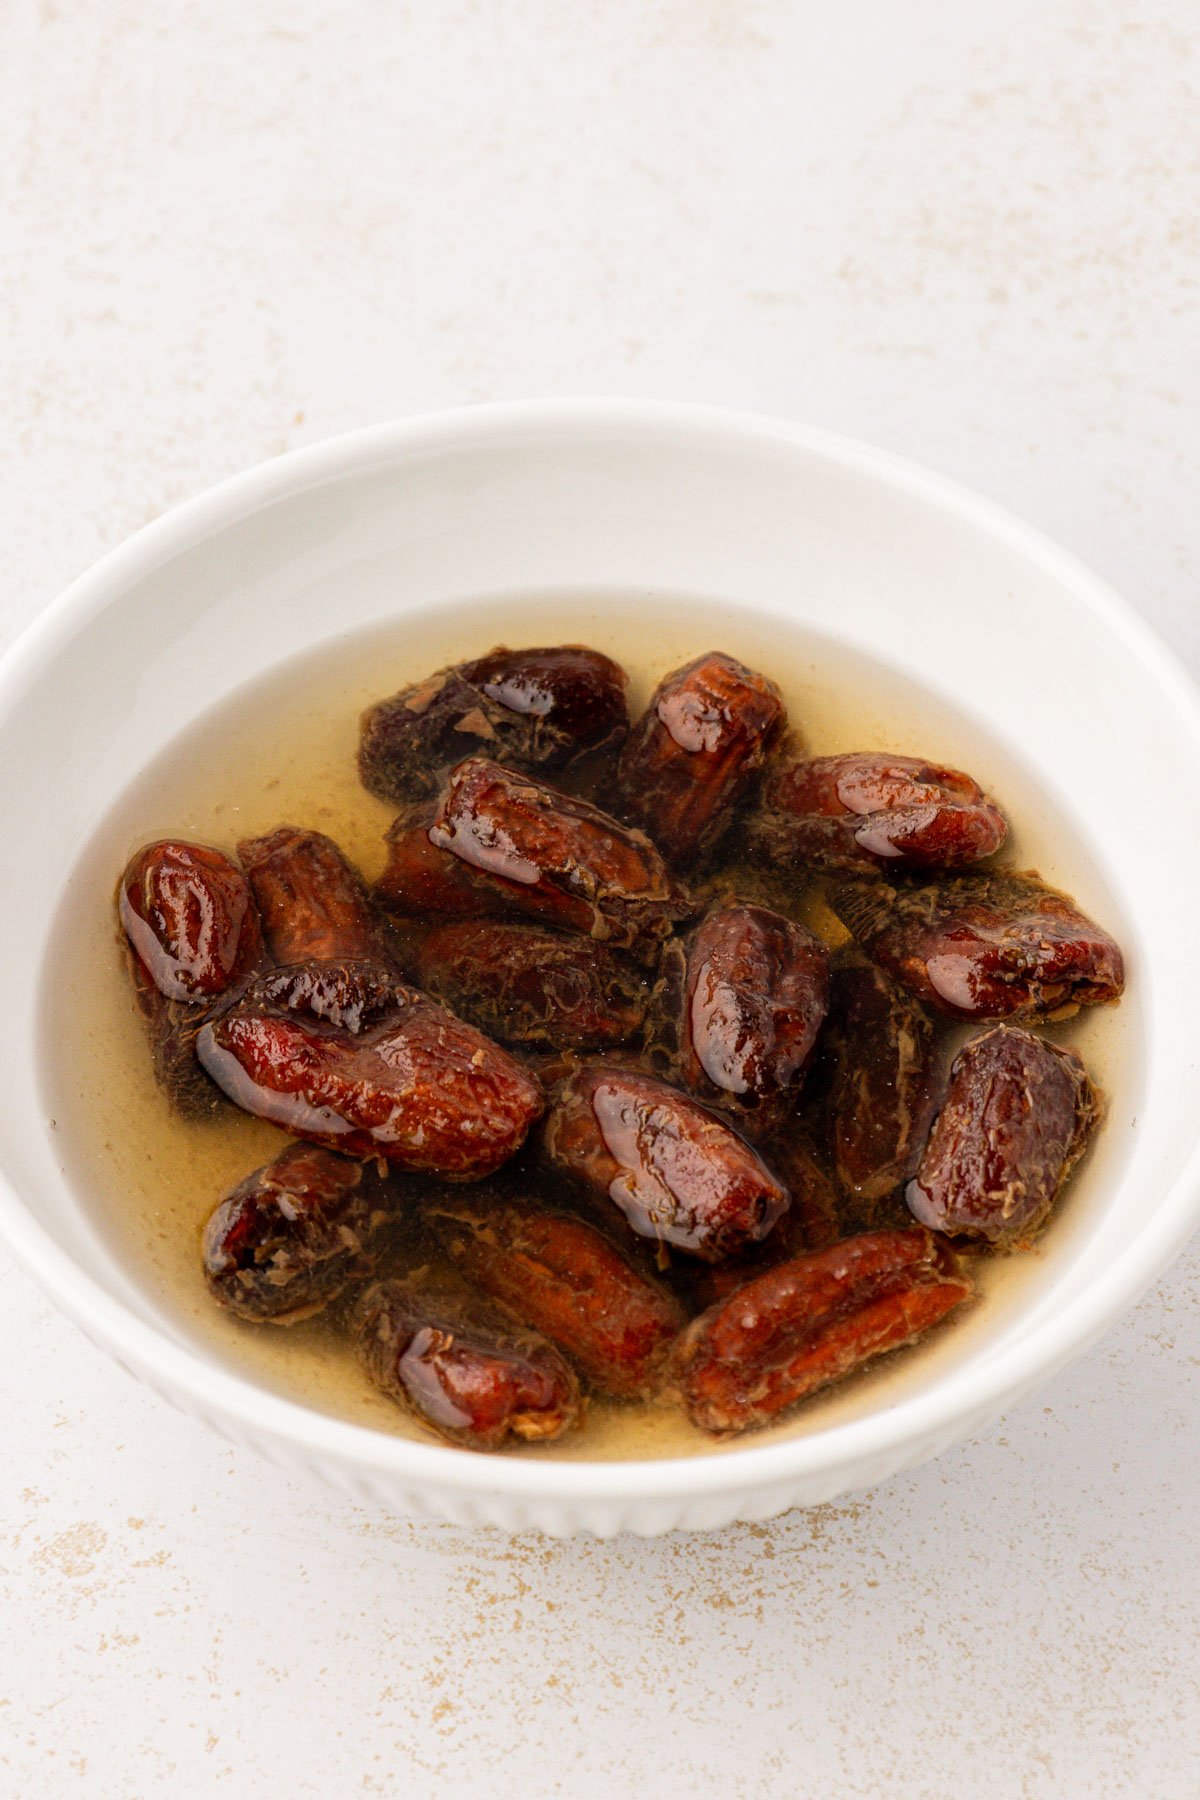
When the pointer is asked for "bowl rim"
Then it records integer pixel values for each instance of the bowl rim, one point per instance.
(222, 1395)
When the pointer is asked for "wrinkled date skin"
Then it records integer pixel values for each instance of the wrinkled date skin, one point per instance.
(865, 810)
(693, 754)
(811, 1222)
(677, 1171)
(192, 935)
(348, 1057)
(812, 1321)
(532, 987)
(530, 709)
(312, 902)
(463, 1369)
(1016, 1119)
(555, 857)
(987, 946)
(755, 992)
(294, 1235)
(883, 1088)
(560, 1275)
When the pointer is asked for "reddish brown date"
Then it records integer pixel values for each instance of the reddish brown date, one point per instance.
(555, 857)
(562, 1276)
(866, 810)
(532, 987)
(677, 1171)
(882, 1100)
(693, 754)
(348, 1057)
(530, 709)
(754, 994)
(812, 1321)
(294, 1235)
(463, 1369)
(422, 882)
(987, 946)
(192, 935)
(1017, 1118)
(312, 902)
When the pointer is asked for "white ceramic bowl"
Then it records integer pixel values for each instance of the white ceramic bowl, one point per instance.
(785, 527)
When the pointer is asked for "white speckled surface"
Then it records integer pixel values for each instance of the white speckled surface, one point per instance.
(969, 235)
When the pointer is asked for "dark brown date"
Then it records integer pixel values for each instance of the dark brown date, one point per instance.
(532, 987)
(348, 1057)
(677, 1171)
(555, 857)
(753, 996)
(294, 1235)
(811, 1222)
(312, 902)
(694, 752)
(530, 709)
(812, 1321)
(462, 1368)
(559, 1274)
(866, 810)
(1017, 1118)
(883, 1099)
(987, 946)
(190, 917)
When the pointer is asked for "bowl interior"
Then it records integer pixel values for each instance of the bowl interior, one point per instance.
(824, 564)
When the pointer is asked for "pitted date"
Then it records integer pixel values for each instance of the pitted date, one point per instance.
(1016, 1119)
(676, 1170)
(883, 1089)
(867, 810)
(463, 1368)
(986, 946)
(695, 751)
(532, 987)
(560, 1275)
(348, 1057)
(812, 1321)
(312, 902)
(753, 996)
(556, 858)
(531, 709)
(293, 1235)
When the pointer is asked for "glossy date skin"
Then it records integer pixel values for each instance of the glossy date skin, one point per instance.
(312, 902)
(1017, 1117)
(883, 1095)
(986, 946)
(810, 1322)
(813, 1220)
(675, 1169)
(530, 709)
(557, 858)
(696, 750)
(192, 936)
(750, 1000)
(560, 1275)
(294, 1235)
(348, 1057)
(423, 882)
(867, 810)
(531, 987)
(465, 1369)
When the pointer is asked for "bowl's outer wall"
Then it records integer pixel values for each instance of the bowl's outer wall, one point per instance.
(782, 522)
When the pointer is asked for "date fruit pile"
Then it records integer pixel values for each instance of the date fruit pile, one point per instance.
(576, 1103)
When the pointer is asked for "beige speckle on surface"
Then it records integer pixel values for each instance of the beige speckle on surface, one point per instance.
(969, 235)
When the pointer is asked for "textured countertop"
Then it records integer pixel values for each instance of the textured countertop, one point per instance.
(969, 235)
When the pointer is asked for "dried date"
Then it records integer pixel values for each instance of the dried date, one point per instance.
(1016, 1119)
(883, 1088)
(348, 1057)
(986, 946)
(423, 882)
(312, 902)
(695, 751)
(812, 1321)
(812, 1221)
(676, 1170)
(461, 1367)
(560, 1275)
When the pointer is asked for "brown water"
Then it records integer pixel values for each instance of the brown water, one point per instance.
(284, 751)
